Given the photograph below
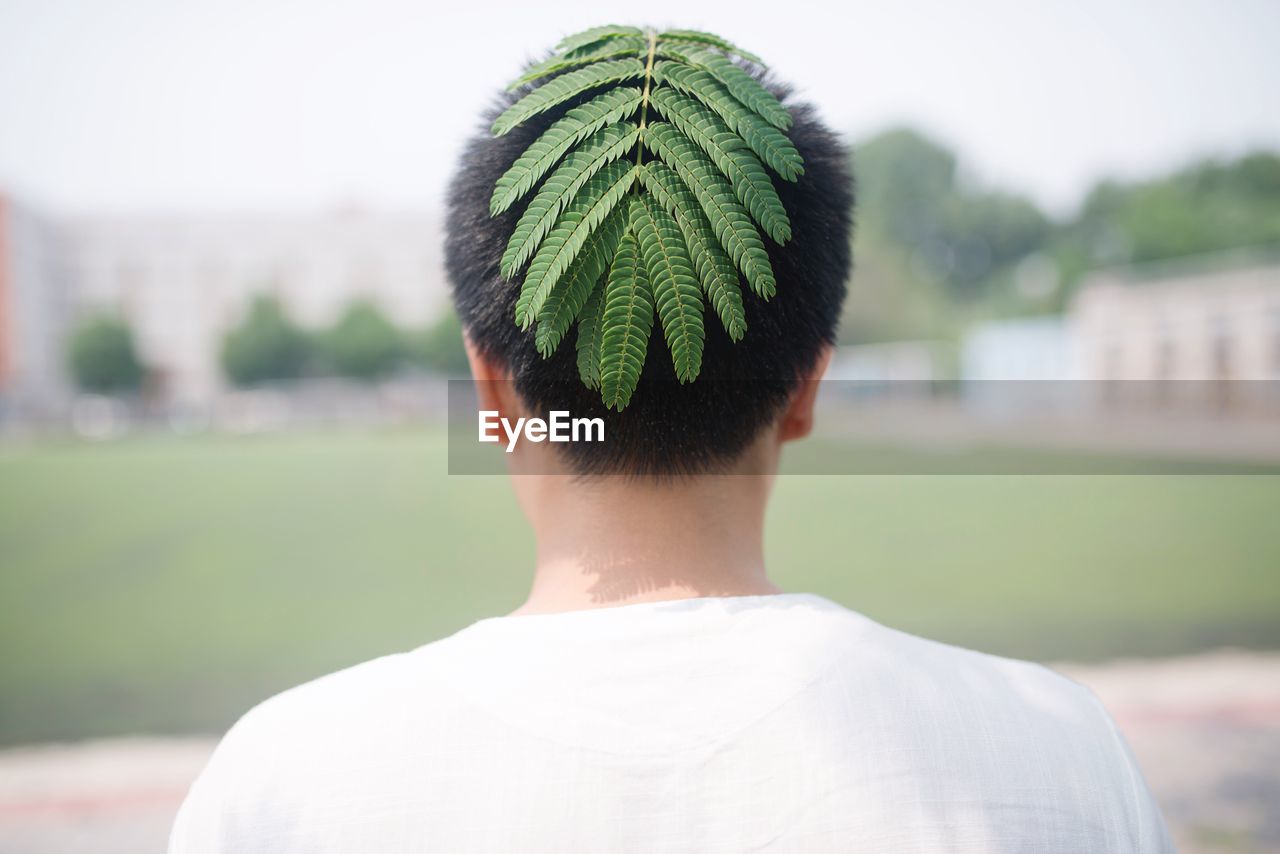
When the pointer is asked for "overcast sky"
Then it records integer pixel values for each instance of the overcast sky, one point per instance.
(146, 105)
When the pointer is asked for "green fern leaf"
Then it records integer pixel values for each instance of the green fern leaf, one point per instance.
(626, 322)
(605, 146)
(595, 34)
(590, 327)
(567, 298)
(699, 211)
(597, 199)
(730, 154)
(770, 144)
(576, 125)
(740, 84)
(557, 90)
(610, 49)
(673, 283)
(714, 268)
(710, 40)
(730, 221)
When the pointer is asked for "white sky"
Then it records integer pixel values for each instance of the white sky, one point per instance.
(145, 105)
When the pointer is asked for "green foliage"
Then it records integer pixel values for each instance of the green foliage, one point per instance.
(599, 197)
(1205, 207)
(265, 346)
(576, 125)
(564, 303)
(609, 49)
(564, 88)
(605, 146)
(595, 35)
(363, 344)
(698, 212)
(102, 356)
(740, 84)
(935, 250)
(590, 337)
(439, 347)
(764, 139)
(626, 321)
(699, 37)
(671, 279)
(731, 156)
(716, 272)
(729, 220)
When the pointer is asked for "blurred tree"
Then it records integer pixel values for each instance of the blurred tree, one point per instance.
(439, 347)
(1208, 206)
(987, 231)
(912, 201)
(933, 251)
(102, 356)
(362, 344)
(903, 179)
(266, 346)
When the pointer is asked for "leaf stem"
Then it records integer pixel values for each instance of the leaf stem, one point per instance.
(644, 98)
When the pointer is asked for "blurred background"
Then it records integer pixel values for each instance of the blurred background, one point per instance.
(224, 335)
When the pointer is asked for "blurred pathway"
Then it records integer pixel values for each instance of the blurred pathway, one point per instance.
(1206, 730)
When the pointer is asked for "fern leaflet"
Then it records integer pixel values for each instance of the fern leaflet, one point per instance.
(586, 38)
(672, 282)
(576, 125)
(740, 84)
(559, 190)
(598, 198)
(716, 272)
(611, 49)
(770, 144)
(566, 299)
(626, 322)
(729, 220)
(711, 40)
(731, 155)
(590, 327)
(557, 90)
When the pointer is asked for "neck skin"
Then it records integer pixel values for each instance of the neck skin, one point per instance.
(611, 541)
(607, 541)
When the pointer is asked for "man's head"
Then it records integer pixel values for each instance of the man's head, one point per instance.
(744, 388)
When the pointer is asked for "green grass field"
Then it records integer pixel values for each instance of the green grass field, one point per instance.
(165, 585)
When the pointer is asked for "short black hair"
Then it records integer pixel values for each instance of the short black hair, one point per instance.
(668, 428)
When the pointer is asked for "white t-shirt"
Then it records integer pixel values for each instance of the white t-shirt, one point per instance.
(760, 723)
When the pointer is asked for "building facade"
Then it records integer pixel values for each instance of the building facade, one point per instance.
(1214, 317)
(35, 310)
(181, 282)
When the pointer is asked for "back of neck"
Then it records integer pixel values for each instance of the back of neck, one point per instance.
(612, 541)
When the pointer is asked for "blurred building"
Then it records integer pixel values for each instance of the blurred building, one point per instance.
(34, 312)
(1016, 367)
(896, 362)
(1030, 348)
(182, 281)
(1213, 317)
